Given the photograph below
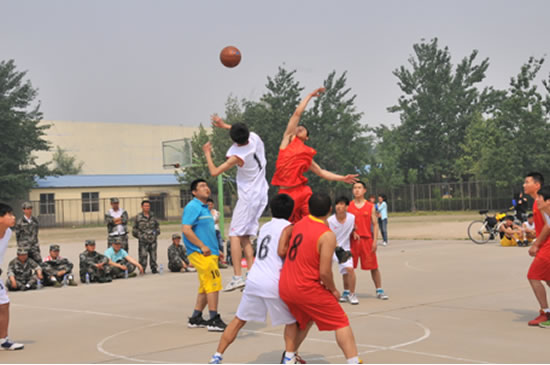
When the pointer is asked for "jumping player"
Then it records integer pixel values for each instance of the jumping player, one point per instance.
(248, 154)
(343, 224)
(261, 293)
(363, 243)
(295, 158)
(306, 284)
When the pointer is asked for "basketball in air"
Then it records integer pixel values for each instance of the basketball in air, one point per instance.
(230, 56)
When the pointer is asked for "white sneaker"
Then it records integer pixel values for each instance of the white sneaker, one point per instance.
(235, 283)
(353, 299)
(382, 295)
(384, 243)
(10, 346)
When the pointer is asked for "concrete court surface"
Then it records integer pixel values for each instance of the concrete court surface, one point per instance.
(450, 302)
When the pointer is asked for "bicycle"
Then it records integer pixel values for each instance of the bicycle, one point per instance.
(483, 231)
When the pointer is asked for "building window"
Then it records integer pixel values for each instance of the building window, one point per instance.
(185, 197)
(47, 204)
(90, 202)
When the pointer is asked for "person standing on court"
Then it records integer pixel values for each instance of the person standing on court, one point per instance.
(146, 230)
(7, 220)
(117, 224)
(248, 154)
(382, 214)
(295, 158)
(202, 246)
(26, 233)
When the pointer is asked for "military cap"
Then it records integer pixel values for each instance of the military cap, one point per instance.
(175, 235)
(26, 205)
(22, 251)
(54, 247)
(89, 242)
(114, 200)
(117, 239)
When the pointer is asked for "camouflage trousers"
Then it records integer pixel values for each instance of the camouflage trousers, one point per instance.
(175, 266)
(49, 273)
(111, 239)
(118, 273)
(96, 275)
(148, 249)
(22, 283)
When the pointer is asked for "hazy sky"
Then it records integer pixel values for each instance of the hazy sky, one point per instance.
(158, 61)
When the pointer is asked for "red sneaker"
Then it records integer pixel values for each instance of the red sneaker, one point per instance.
(543, 317)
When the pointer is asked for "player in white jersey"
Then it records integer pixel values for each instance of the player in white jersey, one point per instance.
(261, 293)
(7, 220)
(248, 154)
(343, 224)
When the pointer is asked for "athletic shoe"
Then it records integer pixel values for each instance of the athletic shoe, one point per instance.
(235, 283)
(221, 265)
(190, 269)
(384, 243)
(543, 317)
(132, 275)
(215, 360)
(353, 299)
(215, 324)
(196, 322)
(341, 254)
(545, 324)
(299, 359)
(382, 295)
(11, 346)
(344, 297)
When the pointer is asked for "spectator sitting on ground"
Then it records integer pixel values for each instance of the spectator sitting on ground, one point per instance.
(177, 256)
(94, 264)
(23, 272)
(510, 233)
(528, 227)
(57, 269)
(121, 263)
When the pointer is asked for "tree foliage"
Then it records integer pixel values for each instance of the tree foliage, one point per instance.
(65, 164)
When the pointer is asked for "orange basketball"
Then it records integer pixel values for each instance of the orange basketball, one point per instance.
(230, 56)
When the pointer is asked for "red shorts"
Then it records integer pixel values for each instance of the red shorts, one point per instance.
(317, 305)
(362, 249)
(540, 268)
(300, 194)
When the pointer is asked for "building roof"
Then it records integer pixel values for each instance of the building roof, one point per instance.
(78, 181)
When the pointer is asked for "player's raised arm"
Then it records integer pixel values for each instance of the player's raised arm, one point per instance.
(217, 170)
(327, 175)
(295, 118)
(218, 122)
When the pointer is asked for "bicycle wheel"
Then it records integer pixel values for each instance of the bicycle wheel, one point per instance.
(478, 232)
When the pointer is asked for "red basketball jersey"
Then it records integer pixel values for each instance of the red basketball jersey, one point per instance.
(292, 163)
(363, 218)
(539, 225)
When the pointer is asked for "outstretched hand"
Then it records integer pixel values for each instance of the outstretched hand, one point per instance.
(318, 92)
(218, 122)
(350, 178)
(207, 148)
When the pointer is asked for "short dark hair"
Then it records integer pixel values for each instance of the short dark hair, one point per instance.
(383, 196)
(530, 215)
(4, 209)
(509, 218)
(196, 182)
(145, 201)
(537, 176)
(307, 130)
(210, 200)
(362, 183)
(544, 192)
(239, 133)
(341, 199)
(319, 204)
(281, 206)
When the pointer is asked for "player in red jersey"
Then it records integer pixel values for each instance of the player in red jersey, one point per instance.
(539, 270)
(295, 158)
(363, 242)
(306, 284)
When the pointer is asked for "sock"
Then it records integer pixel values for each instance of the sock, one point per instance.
(218, 354)
(213, 314)
(379, 290)
(289, 355)
(2, 340)
(196, 313)
(546, 310)
(353, 360)
(345, 292)
(235, 277)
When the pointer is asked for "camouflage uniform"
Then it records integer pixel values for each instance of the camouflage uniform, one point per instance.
(146, 230)
(175, 255)
(112, 229)
(51, 267)
(87, 265)
(25, 274)
(26, 234)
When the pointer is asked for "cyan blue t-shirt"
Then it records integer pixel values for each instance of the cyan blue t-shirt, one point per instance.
(115, 256)
(197, 215)
(383, 210)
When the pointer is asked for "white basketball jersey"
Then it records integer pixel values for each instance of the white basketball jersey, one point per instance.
(342, 230)
(263, 278)
(251, 180)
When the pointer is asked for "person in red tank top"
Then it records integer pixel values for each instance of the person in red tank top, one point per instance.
(306, 284)
(295, 158)
(363, 240)
(539, 270)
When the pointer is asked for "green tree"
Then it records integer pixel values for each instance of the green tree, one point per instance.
(21, 134)
(65, 164)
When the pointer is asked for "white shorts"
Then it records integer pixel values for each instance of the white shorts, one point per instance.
(342, 267)
(246, 216)
(3, 294)
(255, 308)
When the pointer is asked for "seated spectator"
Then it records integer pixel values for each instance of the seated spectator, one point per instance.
(94, 264)
(528, 227)
(510, 233)
(23, 272)
(121, 263)
(57, 269)
(177, 257)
